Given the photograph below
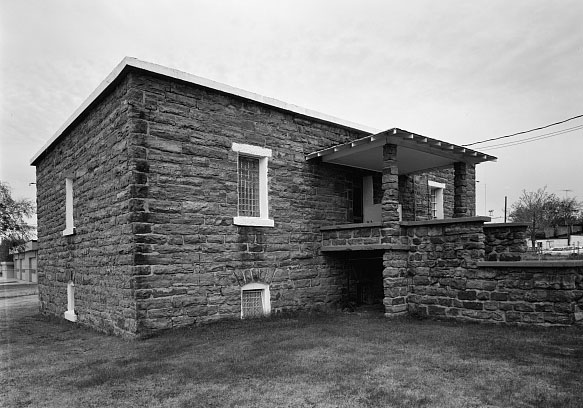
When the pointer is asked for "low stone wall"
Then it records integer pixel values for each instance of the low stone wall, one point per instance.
(517, 292)
(464, 269)
(438, 246)
(505, 241)
(442, 253)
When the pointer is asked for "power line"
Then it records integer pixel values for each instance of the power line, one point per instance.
(523, 132)
(532, 139)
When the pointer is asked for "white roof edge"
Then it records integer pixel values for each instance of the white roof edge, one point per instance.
(394, 132)
(183, 76)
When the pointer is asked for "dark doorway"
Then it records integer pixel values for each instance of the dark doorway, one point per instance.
(357, 203)
(366, 279)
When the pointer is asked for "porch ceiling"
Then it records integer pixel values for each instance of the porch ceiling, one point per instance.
(415, 153)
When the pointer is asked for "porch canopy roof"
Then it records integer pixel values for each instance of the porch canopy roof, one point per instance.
(415, 153)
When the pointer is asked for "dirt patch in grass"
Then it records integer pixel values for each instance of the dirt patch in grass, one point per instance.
(343, 360)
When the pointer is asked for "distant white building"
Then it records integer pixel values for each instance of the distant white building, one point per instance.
(25, 262)
(547, 243)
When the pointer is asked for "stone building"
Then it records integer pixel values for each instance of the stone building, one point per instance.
(169, 200)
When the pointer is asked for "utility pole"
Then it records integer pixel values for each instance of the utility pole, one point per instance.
(566, 192)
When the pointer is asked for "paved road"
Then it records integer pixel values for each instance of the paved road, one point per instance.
(17, 300)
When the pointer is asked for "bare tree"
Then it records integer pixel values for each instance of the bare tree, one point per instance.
(13, 215)
(536, 208)
(567, 211)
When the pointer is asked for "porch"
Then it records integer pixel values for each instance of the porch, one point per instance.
(402, 176)
(405, 178)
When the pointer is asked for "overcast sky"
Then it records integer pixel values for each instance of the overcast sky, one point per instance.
(459, 71)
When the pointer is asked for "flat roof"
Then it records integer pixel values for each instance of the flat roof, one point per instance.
(130, 62)
(350, 150)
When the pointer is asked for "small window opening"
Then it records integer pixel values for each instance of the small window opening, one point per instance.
(69, 221)
(255, 301)
(70, 313)
(436, 200)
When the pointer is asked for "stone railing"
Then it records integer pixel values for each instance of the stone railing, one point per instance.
(439, 245)
(347, 237)
(505, 242)
(442, 254)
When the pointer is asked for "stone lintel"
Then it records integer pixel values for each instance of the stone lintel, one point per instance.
(460, 220)
(351, 226)
(371, 247)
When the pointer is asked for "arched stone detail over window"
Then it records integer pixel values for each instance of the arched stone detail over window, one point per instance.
(254, 275)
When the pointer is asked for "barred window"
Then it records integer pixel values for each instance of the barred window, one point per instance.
(252, 303)
(252, 188)
(433, 203)
(249, 186)
(255, 300)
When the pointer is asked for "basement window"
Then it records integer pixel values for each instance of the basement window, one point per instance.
(252, 189)
(255, 301)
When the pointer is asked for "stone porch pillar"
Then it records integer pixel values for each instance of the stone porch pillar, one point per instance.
(395, 281)
(464, 201)
(391, 229)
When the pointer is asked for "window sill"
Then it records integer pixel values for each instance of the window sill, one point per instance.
(69, 231)
(70, 316)
(253, 222)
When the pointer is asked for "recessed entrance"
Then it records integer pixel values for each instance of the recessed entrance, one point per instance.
(365, 281)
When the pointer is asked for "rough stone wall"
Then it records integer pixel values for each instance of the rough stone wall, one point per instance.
(464, 190)
(446, 177)
(450, 280)
(441, 255)
(505, 242)
(191, 260)
(98, 257)
(522, 294)
(358, 236)
(544, 294)
(415, 196)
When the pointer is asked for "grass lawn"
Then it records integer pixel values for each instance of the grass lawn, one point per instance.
(342, 360)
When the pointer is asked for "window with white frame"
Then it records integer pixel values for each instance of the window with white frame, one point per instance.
(69, 221)
(252, 189)
(255, 300)
(436, 199)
